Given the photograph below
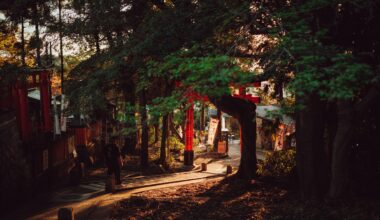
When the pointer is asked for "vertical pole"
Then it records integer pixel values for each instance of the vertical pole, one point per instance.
(80, 136)
(241, 141)
(202, 118)
(61, 43)
(23, 111)
(23, 53)
(242, 91)
(189, 132)
(57, 127)
(218, 134)
(37, 20)
(45, 101)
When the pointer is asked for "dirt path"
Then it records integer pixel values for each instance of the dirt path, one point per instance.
(90, 201)
(89, 198)
(99, 207)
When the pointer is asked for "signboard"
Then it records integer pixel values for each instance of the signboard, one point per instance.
(222, 147)
(212, 130)
(45, 159)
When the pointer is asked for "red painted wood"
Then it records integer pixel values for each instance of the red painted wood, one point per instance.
(45, 101)
(80, 136)
(242, 91)
(22, 112)
(241, 142)
(257, 84)
(189, 130)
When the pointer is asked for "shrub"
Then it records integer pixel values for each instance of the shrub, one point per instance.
(278, 163)
(175, 145)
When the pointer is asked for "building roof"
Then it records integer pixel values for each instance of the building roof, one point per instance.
(35, 94)
(270, 112)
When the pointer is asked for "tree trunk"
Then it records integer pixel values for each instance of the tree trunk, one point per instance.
(244, 112)
(164, 134)
(97, 42)
(37, 20)
(218, 130)
(61, 44)
(23, 53)
(110, 40)
(174, 131)
(145, 130)
(202, 118)
(310, 157)
(165, 127)
(119, 35)
(330, 132)
(183, 128)
(341, 150)
(130, 140)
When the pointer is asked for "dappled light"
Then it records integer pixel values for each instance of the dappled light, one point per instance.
(191, 109)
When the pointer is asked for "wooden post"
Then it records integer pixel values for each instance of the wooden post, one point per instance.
(229, 169)
(80, 136)
(110, 184)
(203, 167)
(189, 132)
(22, 105)
(66, 214)
(45, 100)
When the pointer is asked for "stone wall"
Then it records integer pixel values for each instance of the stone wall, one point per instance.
(15, 176)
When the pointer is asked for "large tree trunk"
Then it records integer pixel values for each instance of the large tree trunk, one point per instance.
(341, 150)
(310, 156)
(130, 141)
(244, 112)
(218, 134)
(165, 128)
(145, 131)
(330, 132)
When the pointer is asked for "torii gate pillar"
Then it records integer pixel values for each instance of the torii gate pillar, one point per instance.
(45, 101)
(189, 132)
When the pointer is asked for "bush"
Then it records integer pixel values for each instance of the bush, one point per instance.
(278, 163)
(175, 145)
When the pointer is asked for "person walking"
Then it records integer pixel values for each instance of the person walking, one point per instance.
(114, 160)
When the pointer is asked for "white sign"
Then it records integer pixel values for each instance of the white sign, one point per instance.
(57, 127)
(212, 130)
(64, 105)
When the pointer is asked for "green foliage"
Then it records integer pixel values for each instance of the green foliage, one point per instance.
(278, 163)
(165, 105)
(321, 65)
(175, 144)
(209, 75)
(127, 117)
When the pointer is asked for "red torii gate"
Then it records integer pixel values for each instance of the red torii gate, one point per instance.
(17, 99)
(189, 129)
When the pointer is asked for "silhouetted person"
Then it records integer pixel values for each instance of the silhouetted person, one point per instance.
(114, 161)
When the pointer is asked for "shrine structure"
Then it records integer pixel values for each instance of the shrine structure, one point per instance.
(189, 129)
